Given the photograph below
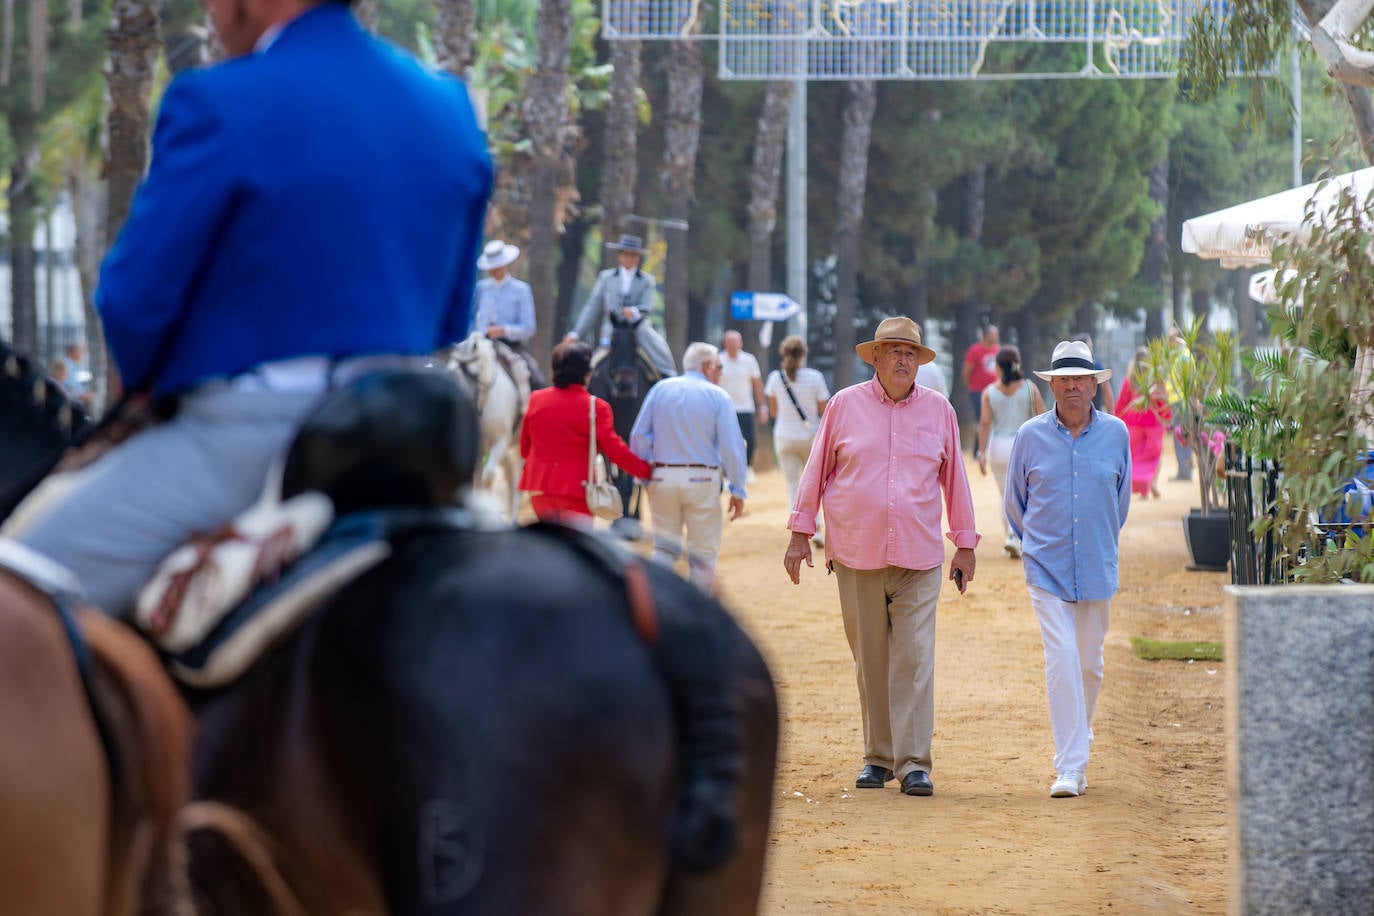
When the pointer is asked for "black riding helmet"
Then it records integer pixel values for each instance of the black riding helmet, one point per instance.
(391, 439)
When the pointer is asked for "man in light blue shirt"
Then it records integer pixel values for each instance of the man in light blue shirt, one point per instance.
(688, 431)
(503, 309)
(1068, 491)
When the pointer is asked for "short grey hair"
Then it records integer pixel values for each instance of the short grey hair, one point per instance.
(697, 355)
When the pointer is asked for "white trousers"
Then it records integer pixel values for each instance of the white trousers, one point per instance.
(792, 455)
(1073, 633)
(999, 455)
(687, 499)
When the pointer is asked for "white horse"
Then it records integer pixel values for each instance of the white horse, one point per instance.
(500, 407)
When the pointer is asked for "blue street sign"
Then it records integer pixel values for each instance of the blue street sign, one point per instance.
(747, 306)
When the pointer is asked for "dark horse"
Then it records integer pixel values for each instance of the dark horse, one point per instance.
(489, 721)
(93, 765)
(622, 378)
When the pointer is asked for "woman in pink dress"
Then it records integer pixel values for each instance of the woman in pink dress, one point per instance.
(1147, 424)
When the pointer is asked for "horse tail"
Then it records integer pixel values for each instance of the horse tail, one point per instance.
(245, 852)
(147, 732)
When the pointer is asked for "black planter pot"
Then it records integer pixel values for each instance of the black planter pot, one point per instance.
(1209, 540)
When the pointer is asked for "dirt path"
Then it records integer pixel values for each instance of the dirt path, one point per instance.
(1149, 836)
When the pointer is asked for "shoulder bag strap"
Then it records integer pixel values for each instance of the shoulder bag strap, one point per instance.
(591, 443)
(795, 403)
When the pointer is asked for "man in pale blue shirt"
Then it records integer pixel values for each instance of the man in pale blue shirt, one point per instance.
(503, 307)
(1068, 491)
(688, 431)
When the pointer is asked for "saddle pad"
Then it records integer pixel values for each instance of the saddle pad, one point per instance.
(273, 612)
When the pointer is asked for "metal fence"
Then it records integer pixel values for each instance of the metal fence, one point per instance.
(1251, 492)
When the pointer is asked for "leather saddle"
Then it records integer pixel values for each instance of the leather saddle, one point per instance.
(391, 450)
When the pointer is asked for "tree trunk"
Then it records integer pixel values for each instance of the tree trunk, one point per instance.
(545, 113)
(1357, 97)
(23, 205)
(573, 241)
(88, 204)
(849, 213)
(1202, 305)
(770, 141)
(134, 42)
(682, 133)
(621, 173)
(1245, 308)
(920, 255)
(369, 12)
(1157, 246)
(1085, 319)
(973, 186)
(455, 35)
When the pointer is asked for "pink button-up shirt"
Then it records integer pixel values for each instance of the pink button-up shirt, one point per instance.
(879, 468)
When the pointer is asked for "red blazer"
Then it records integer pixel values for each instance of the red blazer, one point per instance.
(554, 438)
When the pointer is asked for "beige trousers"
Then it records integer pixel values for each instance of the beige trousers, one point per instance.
(687, 499)
(889, 619)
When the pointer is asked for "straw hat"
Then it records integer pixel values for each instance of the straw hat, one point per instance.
(895, 330)
(497, 254)
(1072, 357)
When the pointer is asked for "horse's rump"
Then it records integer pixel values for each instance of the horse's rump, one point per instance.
(478, 723)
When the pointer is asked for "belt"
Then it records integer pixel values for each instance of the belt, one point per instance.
(664, 464)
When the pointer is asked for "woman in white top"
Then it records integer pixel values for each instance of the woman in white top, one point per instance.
(1008, 403)
(796, 398)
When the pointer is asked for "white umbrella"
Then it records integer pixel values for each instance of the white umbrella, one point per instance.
(1264, 286)
(1244, 235)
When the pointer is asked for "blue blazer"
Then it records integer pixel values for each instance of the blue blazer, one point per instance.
(322, 197)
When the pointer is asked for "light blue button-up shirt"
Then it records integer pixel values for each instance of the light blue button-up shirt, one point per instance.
(508, 304)
(1066, 499)
(688, 420)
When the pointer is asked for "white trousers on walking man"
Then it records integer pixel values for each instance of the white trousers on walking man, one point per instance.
(1073, 633)
(688, 499)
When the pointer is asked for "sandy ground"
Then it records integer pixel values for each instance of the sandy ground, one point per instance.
(1149, 836)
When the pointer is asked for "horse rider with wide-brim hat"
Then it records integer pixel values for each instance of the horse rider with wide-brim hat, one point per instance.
(627, 293)
(503, 310)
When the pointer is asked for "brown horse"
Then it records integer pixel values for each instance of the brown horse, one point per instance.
(96, 740)
(92, 770)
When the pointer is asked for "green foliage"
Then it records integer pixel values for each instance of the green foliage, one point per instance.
(1190, 370)
(1248, 37)
(1310, 410)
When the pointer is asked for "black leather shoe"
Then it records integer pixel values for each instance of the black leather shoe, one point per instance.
(917, 782)
(873, 777)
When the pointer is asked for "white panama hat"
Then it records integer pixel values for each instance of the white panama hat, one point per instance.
(497, 254)
(1072, 357)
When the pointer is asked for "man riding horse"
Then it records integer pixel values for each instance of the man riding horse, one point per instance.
(625, 292)
(276, 248)
(503, 311)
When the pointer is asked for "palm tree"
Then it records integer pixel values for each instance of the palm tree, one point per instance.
(39, 76)
(455, 35)
(621, 169)
(545, 115)
(769, 143)
(854, 145)
(682, 132)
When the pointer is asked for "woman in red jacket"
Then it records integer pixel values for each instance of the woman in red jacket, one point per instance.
(555, 436)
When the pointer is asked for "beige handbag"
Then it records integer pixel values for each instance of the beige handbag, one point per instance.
(603, 499)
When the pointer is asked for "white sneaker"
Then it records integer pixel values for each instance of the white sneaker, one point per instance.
(1069, 784)
(749, 475)
(1012, 548)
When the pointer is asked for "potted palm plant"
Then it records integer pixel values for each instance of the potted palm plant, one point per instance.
(1190, 366)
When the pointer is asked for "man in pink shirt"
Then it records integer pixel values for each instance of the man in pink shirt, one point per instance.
(885, 453)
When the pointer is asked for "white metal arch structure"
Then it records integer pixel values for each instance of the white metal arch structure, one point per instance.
(923, 39)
